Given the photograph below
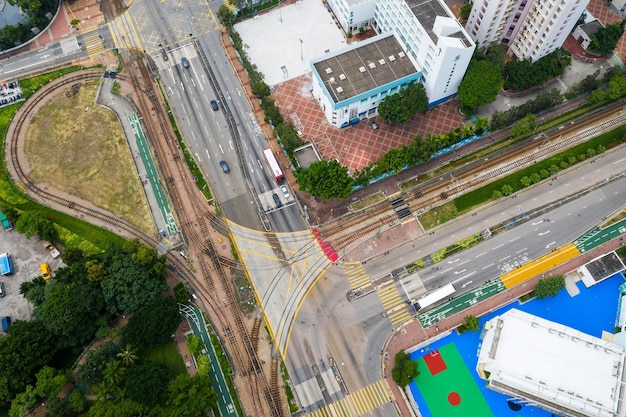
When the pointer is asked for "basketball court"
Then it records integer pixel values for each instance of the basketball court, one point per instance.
(447, 385)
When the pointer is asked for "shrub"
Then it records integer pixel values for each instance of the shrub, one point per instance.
(549, 287)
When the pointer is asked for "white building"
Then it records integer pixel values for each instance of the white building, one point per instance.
(353, 15)
(552, 366)
(350, 83)
(432, 35)
(427, 29)
(530, 28)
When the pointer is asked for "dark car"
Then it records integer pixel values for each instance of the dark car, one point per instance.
(214, 105)
(224, 166)
(279, 203)
(185, 62)
(1, 289)
(374, 125)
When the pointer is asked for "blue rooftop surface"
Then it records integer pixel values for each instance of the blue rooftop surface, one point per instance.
(591, 311)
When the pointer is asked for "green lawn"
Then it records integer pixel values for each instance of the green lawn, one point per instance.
(168, 355)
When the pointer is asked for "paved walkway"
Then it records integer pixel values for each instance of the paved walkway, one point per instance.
(414, 334)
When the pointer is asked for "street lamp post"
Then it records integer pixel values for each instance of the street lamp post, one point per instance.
(301, 56)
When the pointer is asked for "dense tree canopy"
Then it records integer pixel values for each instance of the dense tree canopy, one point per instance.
(605, 39)
(28, 347)
(33, 223)
(401, 106)
(325, 179)
(147, 383)
(89, 373)
(71, 311)
(190, 397)
(129, 285)
(153, 324)
(479, 86)
(549, 287)
(520, 75)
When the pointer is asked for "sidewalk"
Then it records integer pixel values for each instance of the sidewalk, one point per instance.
(414, 334)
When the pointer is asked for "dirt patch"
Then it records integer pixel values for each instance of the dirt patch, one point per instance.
(78, 147)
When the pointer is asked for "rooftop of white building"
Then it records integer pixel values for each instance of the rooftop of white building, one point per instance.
(552, 364)
(427, 12)
(357, 69)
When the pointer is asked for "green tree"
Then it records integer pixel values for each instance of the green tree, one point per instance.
(113, 373)
(147, 383)
(496, 195)
(415, 98)
(33, 223)
(605, 39)
(524, 126)
(72, 255)
(404, 369)
(127, 356)
(96, 271)
(260, 89)
(89, 373)
(28, 347)
(225, 16)
(204, 365)
(535, 177)
(129, 286)
(470, 324)
(194, 344)
(525, 180)
(71, 311)
(34, 291)
(325, 179)
(124, 408)
(393, 109)
(190, 397)
(153, 324)
(617, 87)
(507, 189)
(465, 11)
(549, 287)
(49, 382)
(180, 293)
(480, 85)
(23, 402)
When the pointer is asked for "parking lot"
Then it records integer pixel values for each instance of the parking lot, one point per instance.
(27, 255)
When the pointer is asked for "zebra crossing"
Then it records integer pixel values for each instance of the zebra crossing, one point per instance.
(357, 403)
(357, 277)
(391, 299)
(93, 42)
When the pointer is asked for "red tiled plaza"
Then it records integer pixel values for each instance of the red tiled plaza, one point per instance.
(358, 146)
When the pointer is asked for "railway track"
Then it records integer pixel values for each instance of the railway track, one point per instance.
(341, 233)
(241, 347)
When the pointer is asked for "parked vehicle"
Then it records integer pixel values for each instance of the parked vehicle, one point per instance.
(6, 264)
(285, 191)
(2, 293)
(374, 125)
(6, 223)
(54, 252)
(6, 320)
(45, 271)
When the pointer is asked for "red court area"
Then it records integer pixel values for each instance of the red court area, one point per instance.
(435, 362)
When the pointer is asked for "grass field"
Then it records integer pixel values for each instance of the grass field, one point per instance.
(89, 157)
(168, 355)
(455, 379)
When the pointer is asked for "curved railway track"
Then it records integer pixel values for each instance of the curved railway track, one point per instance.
(241, 346)
(340, 233)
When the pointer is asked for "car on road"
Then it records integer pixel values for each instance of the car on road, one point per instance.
(285, 191)
(279, 203)
(374, 125)
(214, 105)
(185, 62)
(224, 166)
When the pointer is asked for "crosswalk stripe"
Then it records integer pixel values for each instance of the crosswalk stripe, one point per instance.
(399, 317)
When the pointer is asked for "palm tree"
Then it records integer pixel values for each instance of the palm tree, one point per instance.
(113, 373)
(128, 355)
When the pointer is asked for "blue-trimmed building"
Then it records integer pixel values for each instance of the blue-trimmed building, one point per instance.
(351, 82)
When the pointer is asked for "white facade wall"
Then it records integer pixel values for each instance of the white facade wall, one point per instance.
(495, 14)
(443, 59)
(353, 14)
(546, 26)
(531, 28)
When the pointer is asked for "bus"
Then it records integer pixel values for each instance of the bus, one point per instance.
(273, 164)
(435, 297)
